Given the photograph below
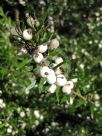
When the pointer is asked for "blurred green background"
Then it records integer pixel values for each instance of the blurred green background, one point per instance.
(78, 26)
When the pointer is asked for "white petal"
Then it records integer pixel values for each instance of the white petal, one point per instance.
(51, 78)
(44, 71)
(66, 89)
(61, 80)
(70, 84)
(52, 88)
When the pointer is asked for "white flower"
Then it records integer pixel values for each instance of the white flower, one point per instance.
(90, 42)
(22, 114)
(81, 66)
(97, 103)
(100, 63)
(74, 56)
(42, 48)
(88, 86)
(54, 124)
(41, 2)
(38, 57)
(27, 34)
(61, 80)
(4, 105)
(23, 125)
(51, 71)
(18, 109)
(97, 14)
(36, 122)
(22, 2)
(44, 71)
(96, 41)
(58, 60)
(9, 130)
(37, 114)
(100, 45)
(0, 91)
(66, 89)
(47, 129)
(54, 44)
(70, 84)
(1, 101)
(41, 117)
(51, 78)
(96, 96)
(52, 88)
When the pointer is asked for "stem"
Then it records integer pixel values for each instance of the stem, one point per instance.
(18, 20)
(79, 95)
(82, 97)
(58, 65)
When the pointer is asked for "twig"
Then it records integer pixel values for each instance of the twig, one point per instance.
(79, 95)
(58, 65)
(82, 97)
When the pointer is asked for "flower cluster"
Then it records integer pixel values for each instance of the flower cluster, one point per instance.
(53, 77)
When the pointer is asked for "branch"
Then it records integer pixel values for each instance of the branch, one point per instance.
(79, 95)
(82, 97)
(58, 65)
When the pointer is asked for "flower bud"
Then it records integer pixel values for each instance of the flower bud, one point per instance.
(61, 80)
(30, 21)
(36, 22)
(54, 44)
(42, 48)
(66, 89)
(38, 57)
(27, 34)
(58, 60)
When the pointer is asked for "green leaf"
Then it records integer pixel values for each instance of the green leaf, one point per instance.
(23, 63)
(57, 95)
(66, 97)
(1, 12)
(30, 86)
(41, 84)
